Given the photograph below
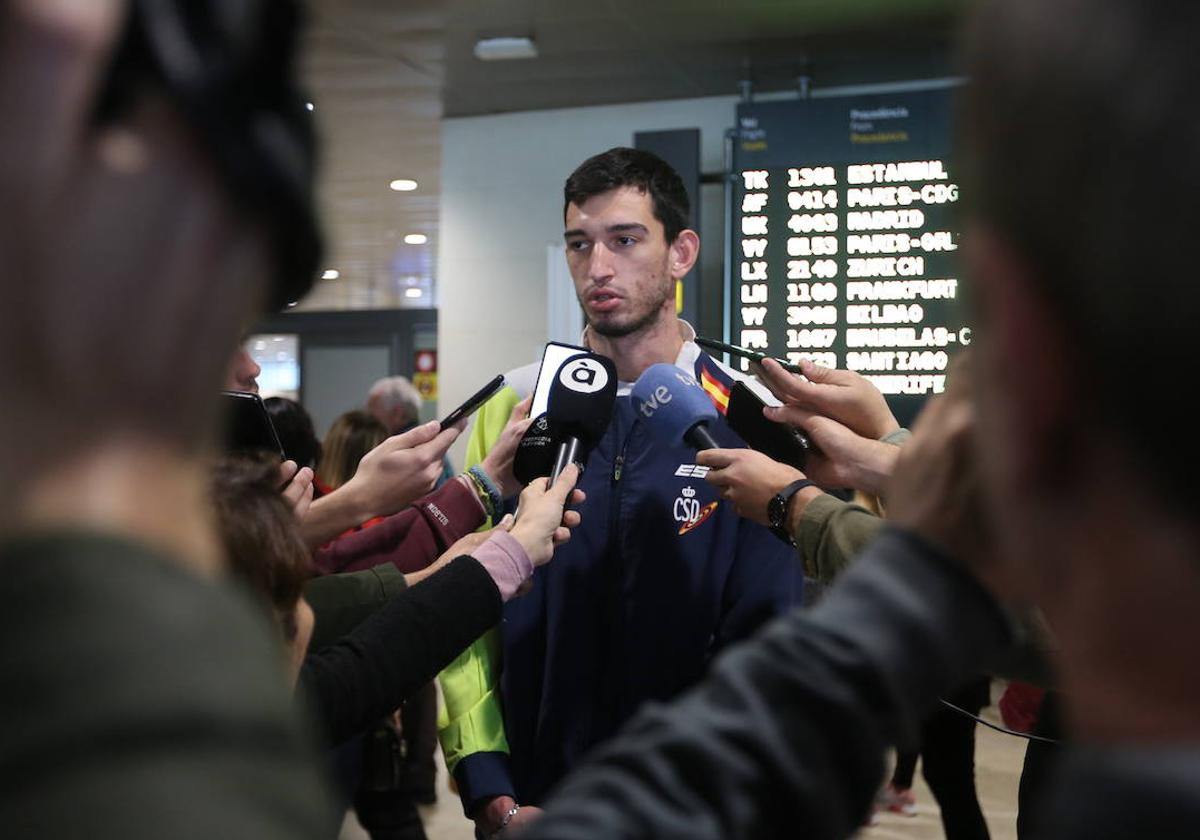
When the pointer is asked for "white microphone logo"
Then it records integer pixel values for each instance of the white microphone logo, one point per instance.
(586, 376)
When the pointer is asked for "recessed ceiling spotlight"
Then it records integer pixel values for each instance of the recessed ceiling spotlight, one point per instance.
(330, 274)
(505, 49)
(309, 106)
(413, 293)
(416, 239)
(403, 185)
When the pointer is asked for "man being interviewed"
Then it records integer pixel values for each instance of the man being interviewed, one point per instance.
(662, 574)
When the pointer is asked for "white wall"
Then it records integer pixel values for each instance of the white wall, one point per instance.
(501, 205)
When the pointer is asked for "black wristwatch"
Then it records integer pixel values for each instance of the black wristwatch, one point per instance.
(778, 506)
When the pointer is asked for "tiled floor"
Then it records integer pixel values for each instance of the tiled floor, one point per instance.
(997, 768)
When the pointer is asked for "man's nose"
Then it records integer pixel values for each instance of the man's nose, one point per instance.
(600, 266)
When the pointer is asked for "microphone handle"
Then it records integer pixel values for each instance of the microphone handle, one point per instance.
(567, 451)
(700, 437)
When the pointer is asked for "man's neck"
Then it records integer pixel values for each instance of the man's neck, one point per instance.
(633, 353)
(131, 489)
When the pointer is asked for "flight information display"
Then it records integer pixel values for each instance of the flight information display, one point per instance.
(845, 238)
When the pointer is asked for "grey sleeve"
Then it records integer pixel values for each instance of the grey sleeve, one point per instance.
(786, 736)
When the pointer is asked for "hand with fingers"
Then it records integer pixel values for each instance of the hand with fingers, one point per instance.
(542, 520)
(401, 470)
(839, 458)
(499, 461)
(297, 488)
(841, 395)
(748, 479)
(501, 817)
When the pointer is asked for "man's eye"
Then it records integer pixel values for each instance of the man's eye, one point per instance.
(577, 245)
(625, 240)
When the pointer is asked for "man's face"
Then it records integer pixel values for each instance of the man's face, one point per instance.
(620, 261)
(243, 372)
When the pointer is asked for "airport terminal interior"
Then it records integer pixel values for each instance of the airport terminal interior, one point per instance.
(814, 138)
(572, 419)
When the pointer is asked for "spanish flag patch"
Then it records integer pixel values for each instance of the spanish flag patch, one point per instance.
(716, 390)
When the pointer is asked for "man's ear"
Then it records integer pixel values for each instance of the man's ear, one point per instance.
(1025, 368)
(684, 252)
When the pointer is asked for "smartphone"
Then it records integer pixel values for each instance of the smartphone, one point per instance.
(775, 440)
(248, 426)
(473, 402)
(552, 359)
(753, 355)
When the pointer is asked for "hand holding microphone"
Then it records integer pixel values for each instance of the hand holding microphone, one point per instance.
(542, 519)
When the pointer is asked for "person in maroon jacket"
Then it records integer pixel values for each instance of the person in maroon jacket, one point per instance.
(414, 537)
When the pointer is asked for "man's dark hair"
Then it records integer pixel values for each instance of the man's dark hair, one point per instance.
(295, 429)
(1081, 145)
(625, 167)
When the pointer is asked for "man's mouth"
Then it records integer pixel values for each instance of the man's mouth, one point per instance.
(603, 301)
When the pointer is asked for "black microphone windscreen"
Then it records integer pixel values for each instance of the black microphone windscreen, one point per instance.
(582, 397)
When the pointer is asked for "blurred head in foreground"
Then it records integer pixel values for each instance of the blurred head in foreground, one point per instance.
(1079, 141)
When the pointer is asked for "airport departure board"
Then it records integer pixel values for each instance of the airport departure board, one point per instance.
(845, 238)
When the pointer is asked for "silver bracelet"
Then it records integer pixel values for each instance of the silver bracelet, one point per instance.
(505, 820)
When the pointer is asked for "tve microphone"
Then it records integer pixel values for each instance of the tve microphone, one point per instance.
(580, 407)
(675, 405)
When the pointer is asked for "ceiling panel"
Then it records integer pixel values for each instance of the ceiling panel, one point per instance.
(382, 73)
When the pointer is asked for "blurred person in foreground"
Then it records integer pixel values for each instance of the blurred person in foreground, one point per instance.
(1080, 455)
(143, 695)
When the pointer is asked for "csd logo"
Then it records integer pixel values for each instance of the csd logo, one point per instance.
(586, 376)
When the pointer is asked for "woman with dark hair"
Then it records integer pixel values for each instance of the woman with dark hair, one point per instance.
(295, 429)
(373, 669)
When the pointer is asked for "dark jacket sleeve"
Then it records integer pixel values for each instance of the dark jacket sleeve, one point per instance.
(410, 539)
(786, 736)
(402, 647)
(342, 602)
(141, 701)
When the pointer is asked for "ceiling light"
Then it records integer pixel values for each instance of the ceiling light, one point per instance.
(413, 293)
(309, 106)
(416, 239)
(330, 274)
(503, 49)
(403, 185)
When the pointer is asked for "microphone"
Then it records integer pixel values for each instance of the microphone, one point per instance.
(535, 453)
(675, 406)
(580, 407)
